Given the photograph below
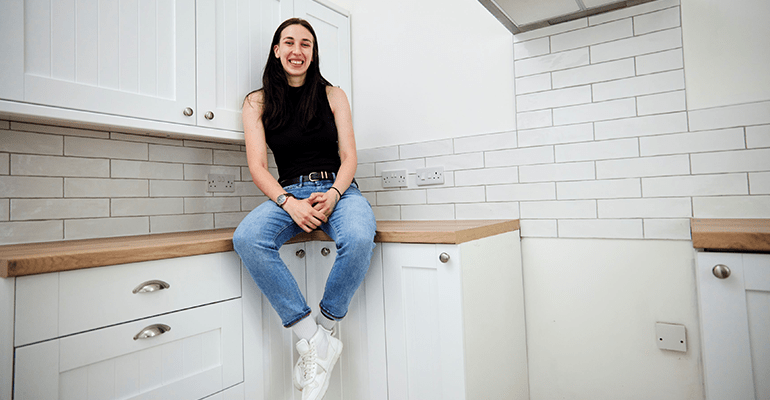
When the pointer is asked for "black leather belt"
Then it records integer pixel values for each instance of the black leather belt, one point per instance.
(311, 177)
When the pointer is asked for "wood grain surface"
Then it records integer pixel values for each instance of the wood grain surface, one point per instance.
(731, 234)
(39, 258)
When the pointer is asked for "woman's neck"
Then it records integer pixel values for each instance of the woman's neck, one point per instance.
(296, 81)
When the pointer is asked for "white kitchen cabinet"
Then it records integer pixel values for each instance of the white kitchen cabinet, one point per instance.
(455, 320)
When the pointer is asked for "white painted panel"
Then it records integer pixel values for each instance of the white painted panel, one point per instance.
(7, 295)
(37, 308)
(36, 373)
(87, 42)
(527, 12)
(128, 45)
(12, 63)
(108, 51)
(37, 37)
(147, 74)
(63, 40)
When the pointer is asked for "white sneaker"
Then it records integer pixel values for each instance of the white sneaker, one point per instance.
(312, 373)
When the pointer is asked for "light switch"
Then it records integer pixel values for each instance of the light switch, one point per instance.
(671, 336)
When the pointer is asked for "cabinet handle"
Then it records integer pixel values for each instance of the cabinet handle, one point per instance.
(325, 251)
(209, 115)
(152, 331)
(188, 112)
(721, 271)
(444, 258)
(151, 286)
(300, 253)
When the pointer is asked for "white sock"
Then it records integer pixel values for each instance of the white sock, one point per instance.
(305, 328)
(327, 323)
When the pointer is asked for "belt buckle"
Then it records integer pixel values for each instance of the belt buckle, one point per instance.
(311, 179)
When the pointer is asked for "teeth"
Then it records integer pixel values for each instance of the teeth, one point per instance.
(295, 62)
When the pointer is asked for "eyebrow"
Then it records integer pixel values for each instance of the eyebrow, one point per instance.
(292, 38)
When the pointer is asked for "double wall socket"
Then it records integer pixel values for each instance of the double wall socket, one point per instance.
(395, 178)
(430, 176)
(220, 183)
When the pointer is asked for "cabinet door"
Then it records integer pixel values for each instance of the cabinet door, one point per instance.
(233, 43)
(200, 355)
(424, 330)
(131, 58)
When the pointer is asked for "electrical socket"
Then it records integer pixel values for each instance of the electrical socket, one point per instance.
(220, 183)
(430, 176)
(395, 178)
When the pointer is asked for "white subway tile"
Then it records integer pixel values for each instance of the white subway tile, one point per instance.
(378, 154)
(165, 188)
(508, 210)
(594, 112)
(657, 21)
(601, 228)
(579, 171)
(370, 197)
(554, 98)
(241, 189)
(5, 125)
(426, 149)
(468, 194)
(602, 189)
(696, 185)
(31, 232)
(58, 130)
(637, 45)
(631, 11)
(31, 143)
(192, 172)
(643, 167)
(181, 223)
(551, 30)
(104, 148)
(533, 83)
(226, 157)
(400, 197)
(661, 103)
(180, 154)
(531, 48)
(41, 209)
(251, 202)
(246, 174)
(5, 209)
(5, 163)
(148, 206)
(428, 212)
(59, 166)
(211, 145)
(534, 119)
(592, 35)
(641, 126)
(675, 229)
(505, 140)
(551, 62)
(756, 160)
(145, 139)
(639, 85)
(538, 228)
(659, 62)
(558, 209)
(408, 165)
(758, 136)
(487, 176)
(556, 135)
(726, 117)
(511, 157)
(759, 182)
(228, 220)
(457, 161)
(594, 73)
(692, 142)
(391, 213)
(599, 150)
(731, 207)
(645, 208)
(105, 227)
(92, 187)
(369, 184)
(522, 192)
(145, 169)
(363, 170)
(22, 186)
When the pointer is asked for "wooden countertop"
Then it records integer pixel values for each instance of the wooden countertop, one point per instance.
(731, 234)
(39, 258)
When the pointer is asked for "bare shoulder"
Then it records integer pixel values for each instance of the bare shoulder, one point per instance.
(336, 96)
(255, 99)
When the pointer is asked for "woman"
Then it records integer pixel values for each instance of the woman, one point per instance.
(308, 126)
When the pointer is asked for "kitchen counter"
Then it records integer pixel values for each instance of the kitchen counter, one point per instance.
(752, 235)
(39, 258)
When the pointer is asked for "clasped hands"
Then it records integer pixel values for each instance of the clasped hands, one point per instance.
(310, 213)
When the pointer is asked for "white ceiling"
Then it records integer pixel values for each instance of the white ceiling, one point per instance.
(523, 15)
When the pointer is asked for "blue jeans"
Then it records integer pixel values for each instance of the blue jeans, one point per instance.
(266, 228)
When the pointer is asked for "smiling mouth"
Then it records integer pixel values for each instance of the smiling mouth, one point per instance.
(296, 62)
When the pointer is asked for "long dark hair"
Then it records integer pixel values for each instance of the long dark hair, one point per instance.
(276, 112)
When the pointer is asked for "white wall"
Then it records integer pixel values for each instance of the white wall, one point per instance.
(726, 51)
(428, 69)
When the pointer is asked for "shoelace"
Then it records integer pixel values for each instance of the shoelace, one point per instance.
(308, 363)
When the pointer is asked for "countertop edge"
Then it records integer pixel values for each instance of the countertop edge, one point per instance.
(751, 235)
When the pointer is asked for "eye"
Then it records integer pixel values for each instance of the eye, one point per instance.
(305, 44)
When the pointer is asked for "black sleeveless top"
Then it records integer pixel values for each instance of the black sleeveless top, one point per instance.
(301, 151)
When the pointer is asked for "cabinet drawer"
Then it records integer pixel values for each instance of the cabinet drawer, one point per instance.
(55, 305)
(200, 355)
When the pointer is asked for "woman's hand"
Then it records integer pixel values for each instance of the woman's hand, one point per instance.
(325, 202)
(304, 214)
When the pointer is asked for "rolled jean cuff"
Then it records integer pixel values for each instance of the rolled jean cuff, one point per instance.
(290, 324)
(329, 315)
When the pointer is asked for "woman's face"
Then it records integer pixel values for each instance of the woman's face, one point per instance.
(295, 50)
